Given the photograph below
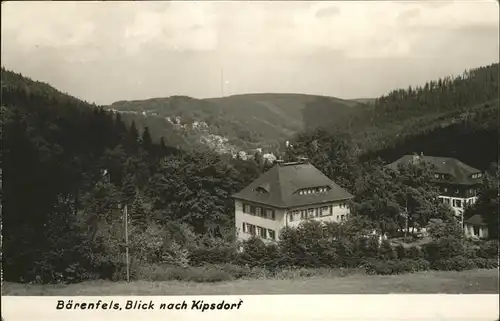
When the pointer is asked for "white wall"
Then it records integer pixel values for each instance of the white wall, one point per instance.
(282, 218)
(241, 217)
(458, 210)
(335, 217)
(469, 231)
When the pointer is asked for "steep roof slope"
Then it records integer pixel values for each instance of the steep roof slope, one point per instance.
(281, 183)
(459, 172)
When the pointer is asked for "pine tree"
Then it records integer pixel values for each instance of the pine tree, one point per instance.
(146, 140)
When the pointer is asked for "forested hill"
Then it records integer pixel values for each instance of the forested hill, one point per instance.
(452, 116)
(68, 166)
(240, 122)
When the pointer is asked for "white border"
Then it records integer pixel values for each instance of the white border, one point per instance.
(269, 307)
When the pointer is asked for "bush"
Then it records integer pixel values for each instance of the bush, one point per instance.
(470, 252)
(397, 266)
(401, 252)
(443, 248)
(482, 263)
(162, 272)
(368, 247)
(212, 252)
(386, 251)
(414, 252)
(457, 263)
(257, 253)
(488, 250)
(347, 257)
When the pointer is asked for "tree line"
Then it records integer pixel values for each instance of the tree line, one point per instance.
(70, 167)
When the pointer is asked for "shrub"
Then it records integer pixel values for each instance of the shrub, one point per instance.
(386, 251)
(257, 253)
(212, 251)
(347, 257)
(482, 263)
(457, 263)
(397, 266)
(488, 250)
(470, 252)
(163, 272)
(400, 252)
(420, 265)
(311, 244)
(368, 246)
(438, 229)
(414, 252)
(446, 247)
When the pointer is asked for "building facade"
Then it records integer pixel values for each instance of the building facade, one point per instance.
(286, 195)
(476, 227)
(458, 183)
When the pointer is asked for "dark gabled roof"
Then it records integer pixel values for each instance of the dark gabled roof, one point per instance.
(459, 172)
(283, 181)
(476, 219)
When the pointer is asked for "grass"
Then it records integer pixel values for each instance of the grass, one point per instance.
(450, 282)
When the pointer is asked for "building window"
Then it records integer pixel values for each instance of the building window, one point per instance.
(244, 227)
(258, 211)
(457, 203)
(252, 210)
(445, 189)
(272, 234)
(325, 211)
(251, 229)
(331, 209)
(342, 217)
(476, 230)
(310, 212)
(262, 232)
(270, 214)
(246, 208)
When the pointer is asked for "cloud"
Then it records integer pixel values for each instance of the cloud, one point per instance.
(116, 50)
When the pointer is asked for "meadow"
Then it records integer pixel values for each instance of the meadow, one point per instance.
(477, 281)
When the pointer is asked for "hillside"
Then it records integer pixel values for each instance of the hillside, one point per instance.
(228, 124)
(69, 167)
(452, 116)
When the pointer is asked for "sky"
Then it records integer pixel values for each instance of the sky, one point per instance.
(109, 51)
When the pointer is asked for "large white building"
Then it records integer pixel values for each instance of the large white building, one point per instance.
(458, 184)
(285, 195)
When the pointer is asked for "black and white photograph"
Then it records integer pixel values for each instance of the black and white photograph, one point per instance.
(237, 148)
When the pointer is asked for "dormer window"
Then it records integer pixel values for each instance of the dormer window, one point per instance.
(477, 175)
(315, 190)
(261, 190)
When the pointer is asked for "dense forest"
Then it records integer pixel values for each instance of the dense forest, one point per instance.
(450, 117)
(69, 168)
